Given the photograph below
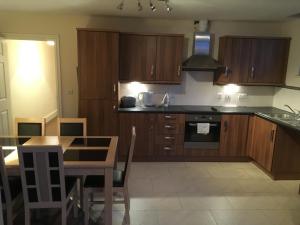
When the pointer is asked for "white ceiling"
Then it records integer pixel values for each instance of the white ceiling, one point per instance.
(183, 9)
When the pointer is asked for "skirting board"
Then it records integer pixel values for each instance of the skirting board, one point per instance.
(51, 116)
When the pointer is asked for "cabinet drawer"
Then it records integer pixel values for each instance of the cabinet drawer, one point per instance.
(168, 118)
(169, 139)
(168, 128)
(172, 150)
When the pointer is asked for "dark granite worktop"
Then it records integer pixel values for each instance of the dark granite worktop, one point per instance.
(264, 112)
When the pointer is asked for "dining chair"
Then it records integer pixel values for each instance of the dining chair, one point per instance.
(94, 184)
(11, 192)
(71, 126)
(44, 183)
(30, 126)
(1, 212)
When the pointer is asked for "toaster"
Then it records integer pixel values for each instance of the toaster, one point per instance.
(127, 102)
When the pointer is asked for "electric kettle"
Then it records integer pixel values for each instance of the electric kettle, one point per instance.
(146, 98)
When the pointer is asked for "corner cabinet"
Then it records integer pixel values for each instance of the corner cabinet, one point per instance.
(98, 63)
(150, 58)
(253, 60)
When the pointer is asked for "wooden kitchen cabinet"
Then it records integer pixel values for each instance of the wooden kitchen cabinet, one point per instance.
(98, 63)
(234, 134)
(262, 142)
(150, 58)
(253, 60)
(137, 57)
(169, 59)
(145, 131)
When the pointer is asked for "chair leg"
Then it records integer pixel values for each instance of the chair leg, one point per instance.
(75, 204)
(63, 216)
(27, 216)
(86, 208)
(127, 206)
(9, 216)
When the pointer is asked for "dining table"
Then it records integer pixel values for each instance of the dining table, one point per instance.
(83, 156)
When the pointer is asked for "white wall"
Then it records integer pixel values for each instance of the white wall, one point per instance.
(32, 78)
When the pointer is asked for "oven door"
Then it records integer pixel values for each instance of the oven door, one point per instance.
(202, 141)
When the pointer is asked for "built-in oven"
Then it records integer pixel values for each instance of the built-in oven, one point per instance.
(196, 137)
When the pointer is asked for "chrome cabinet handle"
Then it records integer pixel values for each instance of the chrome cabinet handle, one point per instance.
(152, 70)
(114, 107)
(226, 71)
(252, 71)
(168, 126)
(169, 117)
(167, 148)
(169, 138)
(115, 88)
(179, 71)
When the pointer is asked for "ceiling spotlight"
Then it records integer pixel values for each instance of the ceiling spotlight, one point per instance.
(140, 7)
(169, 8)
(121, 5)
(152, 7)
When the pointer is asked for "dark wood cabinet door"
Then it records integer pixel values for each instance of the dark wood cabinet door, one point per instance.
(269, 59)
(169, 59)
(234, 134)
(234, 54)
(98, 64)
(144, 124)
(102, 116)
(137, 57)
(263, 139)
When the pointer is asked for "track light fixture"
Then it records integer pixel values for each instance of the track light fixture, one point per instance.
(151, 5)
(140, 7)
(121, 5)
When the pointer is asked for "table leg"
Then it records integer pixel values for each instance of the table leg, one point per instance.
(108, 196)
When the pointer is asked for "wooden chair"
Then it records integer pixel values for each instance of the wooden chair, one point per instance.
(95, 184)
(71, 126)
(30, 126)
(44, 183)
(1, 212)
(11, 191)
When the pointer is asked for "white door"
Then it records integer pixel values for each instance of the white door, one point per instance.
(4, 93)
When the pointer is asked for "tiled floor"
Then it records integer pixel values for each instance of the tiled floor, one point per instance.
(205, 194)
(209, 194)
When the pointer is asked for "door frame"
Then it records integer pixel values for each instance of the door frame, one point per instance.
(44, 37)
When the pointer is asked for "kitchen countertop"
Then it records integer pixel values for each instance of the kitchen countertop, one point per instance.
(263, 112)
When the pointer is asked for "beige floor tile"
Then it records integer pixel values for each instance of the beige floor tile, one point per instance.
(138, 217)
(229, 173)
(145, 170)
(253, 202)
(156, 202)
(288, 202)
(204, 202)
(282, 217)
(140, 187)
(240, 217)
(182, 217)
(189, 172)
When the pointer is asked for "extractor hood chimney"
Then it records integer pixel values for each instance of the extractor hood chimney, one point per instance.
(201, 59)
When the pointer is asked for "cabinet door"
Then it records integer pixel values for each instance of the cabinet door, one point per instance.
(234, 54)
(268, 61)
(137, 57)
(144, 124)
(234, 134)
(263, 139)
(169, 59)
(102, 116)
(98, 63)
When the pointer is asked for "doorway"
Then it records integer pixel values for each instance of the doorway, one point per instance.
(29, 76)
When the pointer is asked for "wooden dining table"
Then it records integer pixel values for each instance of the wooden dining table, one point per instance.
(83, 156)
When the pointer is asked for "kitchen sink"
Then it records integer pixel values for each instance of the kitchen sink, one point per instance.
(283, 116)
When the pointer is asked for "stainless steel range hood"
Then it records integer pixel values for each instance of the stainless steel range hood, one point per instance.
(201, 60)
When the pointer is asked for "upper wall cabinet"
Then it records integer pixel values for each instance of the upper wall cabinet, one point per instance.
(150, 58)
(253, 61)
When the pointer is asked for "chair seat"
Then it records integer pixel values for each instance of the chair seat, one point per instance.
(15, 186)
(98, 181)
(70, 183)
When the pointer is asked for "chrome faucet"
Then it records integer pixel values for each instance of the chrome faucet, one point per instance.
(166, 100)
(294, 111)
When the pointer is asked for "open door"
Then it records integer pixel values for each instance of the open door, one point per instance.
(4, 94)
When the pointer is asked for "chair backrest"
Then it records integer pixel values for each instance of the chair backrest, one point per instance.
(4, 184)
(130, 155)
(30, 126)
(71, 126)
(42, 174)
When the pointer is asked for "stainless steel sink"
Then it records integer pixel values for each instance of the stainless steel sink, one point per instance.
(283, 116)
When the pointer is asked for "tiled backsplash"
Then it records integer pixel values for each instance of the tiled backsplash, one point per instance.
(197, 89)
